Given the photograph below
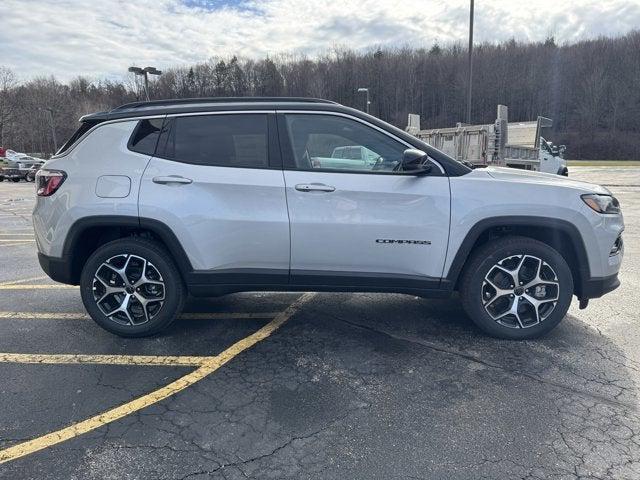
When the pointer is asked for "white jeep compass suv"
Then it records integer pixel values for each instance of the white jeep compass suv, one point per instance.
(154, 200)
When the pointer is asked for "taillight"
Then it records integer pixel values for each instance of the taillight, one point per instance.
(48, 181)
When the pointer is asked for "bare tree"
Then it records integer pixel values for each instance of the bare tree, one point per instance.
(589, 88)
(7, 103)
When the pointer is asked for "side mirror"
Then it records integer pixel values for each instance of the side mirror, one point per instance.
(415, 161)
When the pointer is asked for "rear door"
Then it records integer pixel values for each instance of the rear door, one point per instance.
(362, 224)
(216, 181)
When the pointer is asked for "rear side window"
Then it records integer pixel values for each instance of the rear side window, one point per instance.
(145, 137)
(237, 140)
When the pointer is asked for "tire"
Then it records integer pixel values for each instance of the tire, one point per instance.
(29, 178)
(161, 288)
(1, 178)
(487, 290)
(15, 179)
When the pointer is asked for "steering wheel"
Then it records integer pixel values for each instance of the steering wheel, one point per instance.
(383, 164)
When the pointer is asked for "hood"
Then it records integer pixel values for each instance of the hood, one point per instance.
(527, 176)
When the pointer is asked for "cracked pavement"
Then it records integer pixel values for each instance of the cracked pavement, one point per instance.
(357, 386)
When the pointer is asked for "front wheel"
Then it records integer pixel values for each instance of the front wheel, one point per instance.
(132, 288)
(516, 288)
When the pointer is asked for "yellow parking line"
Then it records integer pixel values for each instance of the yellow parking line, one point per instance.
(46, 286)
(51, 359)
(207, 367)
(22, 280)
(84, 316)
(8, 234)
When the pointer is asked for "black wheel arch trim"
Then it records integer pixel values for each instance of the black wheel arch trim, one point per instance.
(162, 231)
(466, 247)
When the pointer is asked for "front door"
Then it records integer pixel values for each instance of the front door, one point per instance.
(358, 221)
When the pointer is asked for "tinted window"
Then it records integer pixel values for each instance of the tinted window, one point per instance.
(145, 137)
(330, 142)
(238, 140)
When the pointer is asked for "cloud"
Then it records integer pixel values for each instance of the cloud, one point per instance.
(99, 39)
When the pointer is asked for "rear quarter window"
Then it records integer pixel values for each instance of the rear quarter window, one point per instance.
(145, 137)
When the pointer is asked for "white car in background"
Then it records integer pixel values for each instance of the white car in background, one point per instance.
(20, 166)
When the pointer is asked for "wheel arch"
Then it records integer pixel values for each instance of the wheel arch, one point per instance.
(559, 234)
(89, 233)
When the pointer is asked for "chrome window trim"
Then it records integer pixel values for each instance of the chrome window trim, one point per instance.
(225, 112)
(146, 117)
(240, 112)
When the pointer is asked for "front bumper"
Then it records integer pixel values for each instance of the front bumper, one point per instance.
(58, 269)
(597, 287)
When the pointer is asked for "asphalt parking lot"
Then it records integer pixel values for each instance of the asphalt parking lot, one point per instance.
(326, 386)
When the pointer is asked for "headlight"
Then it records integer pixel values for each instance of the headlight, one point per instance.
(602, 203)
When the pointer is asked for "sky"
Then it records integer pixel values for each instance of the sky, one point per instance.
(101, 38)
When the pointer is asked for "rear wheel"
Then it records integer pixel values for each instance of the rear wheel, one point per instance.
(15, 179)
(131, 287)
(516, 288)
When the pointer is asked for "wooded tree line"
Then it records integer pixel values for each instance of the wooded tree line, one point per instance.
(591, 89)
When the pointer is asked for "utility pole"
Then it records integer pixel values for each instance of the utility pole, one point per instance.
(363, 90)
(145, 72)
(470, 72)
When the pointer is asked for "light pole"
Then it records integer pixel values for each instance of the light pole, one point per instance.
(470, 72)
(53, 127)
(363, 90)
(145, 72)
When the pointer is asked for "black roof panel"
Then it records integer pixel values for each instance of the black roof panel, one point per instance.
(196, 101)
(188, 105)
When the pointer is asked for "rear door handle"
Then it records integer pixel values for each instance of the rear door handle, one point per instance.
(172, 179)
(314, 187)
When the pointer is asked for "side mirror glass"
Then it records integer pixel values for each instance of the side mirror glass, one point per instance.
(415, 161)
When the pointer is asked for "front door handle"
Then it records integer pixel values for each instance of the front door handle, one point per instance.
(172, 179)
(314, 187)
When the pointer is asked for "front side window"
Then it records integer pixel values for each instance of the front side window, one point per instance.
(234, 140)
(330, 142)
